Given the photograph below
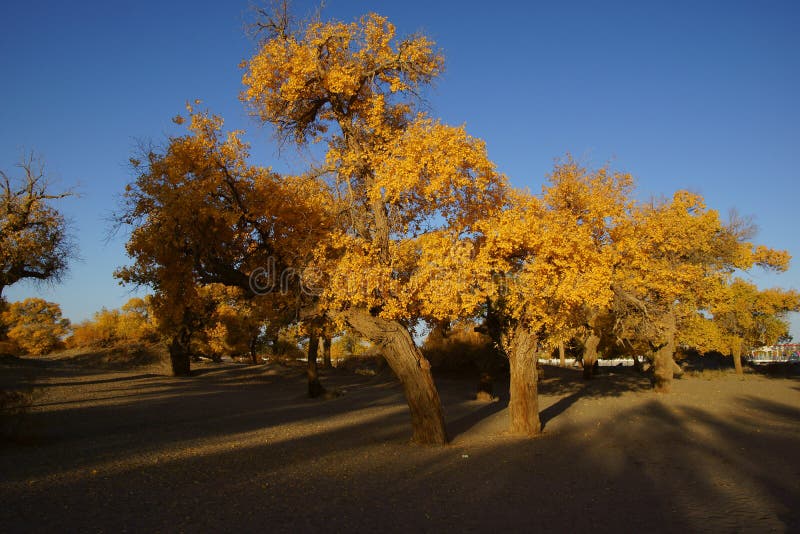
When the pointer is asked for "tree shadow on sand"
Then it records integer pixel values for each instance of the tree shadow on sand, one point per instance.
(565, 384)
(655, 465)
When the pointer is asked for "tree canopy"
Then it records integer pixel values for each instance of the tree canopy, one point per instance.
(34, 235)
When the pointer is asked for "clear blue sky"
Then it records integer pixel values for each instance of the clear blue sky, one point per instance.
(696, 95)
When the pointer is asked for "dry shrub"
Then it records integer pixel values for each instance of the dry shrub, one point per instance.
(118, 357)
(462, 349)
(9, 348)
(131, 324)
(14, 405)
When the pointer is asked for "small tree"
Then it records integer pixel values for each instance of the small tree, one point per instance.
(746, 316)
(34, 239)
(682, 258)
(35, 325)
(202, 215)
(134, 322)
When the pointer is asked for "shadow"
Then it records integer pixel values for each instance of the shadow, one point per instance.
(461, 425)
(568, 381)
(99, 380)
(770, 407)
(559, 407)
(243, 454)
(777, 370)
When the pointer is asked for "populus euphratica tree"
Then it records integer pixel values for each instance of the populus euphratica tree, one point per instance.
(407, 187)
(682, 259)
(34, 238)
(552, 259)
(201, 215)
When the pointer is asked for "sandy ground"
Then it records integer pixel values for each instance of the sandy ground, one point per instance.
(239, 448)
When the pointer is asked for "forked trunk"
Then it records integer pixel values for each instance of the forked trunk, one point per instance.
(562, 360)
(180, 352)
(637, 364)
(326, 352)
(663, 359)
(523, 406)
(590, 355)
(737, 358)
(315, 388)
(411, 368)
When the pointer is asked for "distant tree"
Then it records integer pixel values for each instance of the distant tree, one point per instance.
(202, 215)
(134, 322)
(747, 317)
(236, 324)
(35, 325)
(682, 257)
(34, 239)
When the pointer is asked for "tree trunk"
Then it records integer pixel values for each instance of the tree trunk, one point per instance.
(253, 347)
(485, 388)
(315, 388)
(663, 359)
(637, 364)
(590, 355)
(411, 368)
(523, 406)
(562, 360)
(326, 352)
(662, 367)
(180, 352)
(737, 358)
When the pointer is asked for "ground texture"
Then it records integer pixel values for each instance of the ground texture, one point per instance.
(239, 448)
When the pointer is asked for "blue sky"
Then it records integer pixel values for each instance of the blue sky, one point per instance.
(692, 95)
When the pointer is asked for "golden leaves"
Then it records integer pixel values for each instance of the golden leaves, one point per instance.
(35, 325)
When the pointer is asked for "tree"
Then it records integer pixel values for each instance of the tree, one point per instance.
(235, 324)
(408, 188)
(682, 257)
(202, 215)
(34, 238)
(35, 325)
(134, 322)
(746, 317)
(552, 260)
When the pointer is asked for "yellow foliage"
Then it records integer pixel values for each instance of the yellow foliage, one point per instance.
(134, 322)
(35, 325)
(34, 241)
(746, 317)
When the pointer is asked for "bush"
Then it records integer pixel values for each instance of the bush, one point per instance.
(132, 323)
(461, 348)
(35, 325)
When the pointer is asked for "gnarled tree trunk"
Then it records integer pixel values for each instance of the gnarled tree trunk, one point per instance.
(736, 352)
(253, 345)
(180, 352)
(523, 407)
(411, 368)
(590, 355)
(663, 358)
(315, 388)
(326, 352)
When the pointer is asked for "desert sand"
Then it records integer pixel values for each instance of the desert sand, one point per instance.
(240, 448)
